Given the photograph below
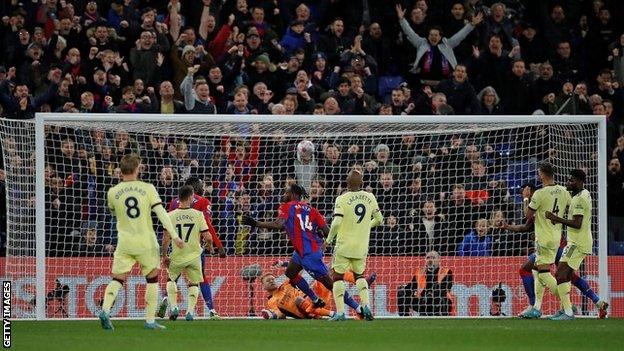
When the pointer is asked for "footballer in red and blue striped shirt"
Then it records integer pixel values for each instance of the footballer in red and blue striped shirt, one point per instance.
(302, 222)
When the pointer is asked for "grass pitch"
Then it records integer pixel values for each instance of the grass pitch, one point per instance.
(300, 335)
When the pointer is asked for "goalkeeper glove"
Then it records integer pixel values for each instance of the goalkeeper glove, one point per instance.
(248, 220)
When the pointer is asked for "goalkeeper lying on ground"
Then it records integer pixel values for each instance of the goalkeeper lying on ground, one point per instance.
(288, 301)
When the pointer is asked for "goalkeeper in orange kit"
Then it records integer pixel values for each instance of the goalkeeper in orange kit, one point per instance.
(288, 301)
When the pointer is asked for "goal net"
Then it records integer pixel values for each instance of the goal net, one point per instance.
(444, 188)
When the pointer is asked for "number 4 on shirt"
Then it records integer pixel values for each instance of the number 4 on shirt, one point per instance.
(555, 209)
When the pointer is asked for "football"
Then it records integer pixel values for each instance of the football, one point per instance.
(305, 150)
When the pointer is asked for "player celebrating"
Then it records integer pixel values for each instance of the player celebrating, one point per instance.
(302, 222)
(355, 213)
(132, 202)
(551, 197)
(201, 204)
(579, 242)
(190, 224)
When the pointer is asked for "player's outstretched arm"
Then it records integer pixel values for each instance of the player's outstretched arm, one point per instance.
(519, 228)
(575, 222)
(278, 224)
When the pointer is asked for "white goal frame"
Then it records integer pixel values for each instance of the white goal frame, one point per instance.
(42, 118)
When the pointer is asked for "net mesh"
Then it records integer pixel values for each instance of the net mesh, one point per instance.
(18, 141)
(442, 187)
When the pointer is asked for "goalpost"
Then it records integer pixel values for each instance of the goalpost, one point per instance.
(437, 179)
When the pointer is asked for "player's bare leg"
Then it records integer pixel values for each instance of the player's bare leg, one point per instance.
(296, 280)
(151, 300)
(110, 294)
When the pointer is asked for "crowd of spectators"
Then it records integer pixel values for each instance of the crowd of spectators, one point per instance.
(401, 57)
(450, 193)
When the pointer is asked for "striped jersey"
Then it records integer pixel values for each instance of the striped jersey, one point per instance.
(302, 224)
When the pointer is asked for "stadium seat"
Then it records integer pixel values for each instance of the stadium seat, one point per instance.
(386, 84)
(201, 151)
(616, 248)
(519, 173)
(504, 149)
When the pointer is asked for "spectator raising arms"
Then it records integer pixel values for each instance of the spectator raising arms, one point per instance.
(435, 58)
(346, 58)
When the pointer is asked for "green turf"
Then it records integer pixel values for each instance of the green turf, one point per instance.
(292, 335)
